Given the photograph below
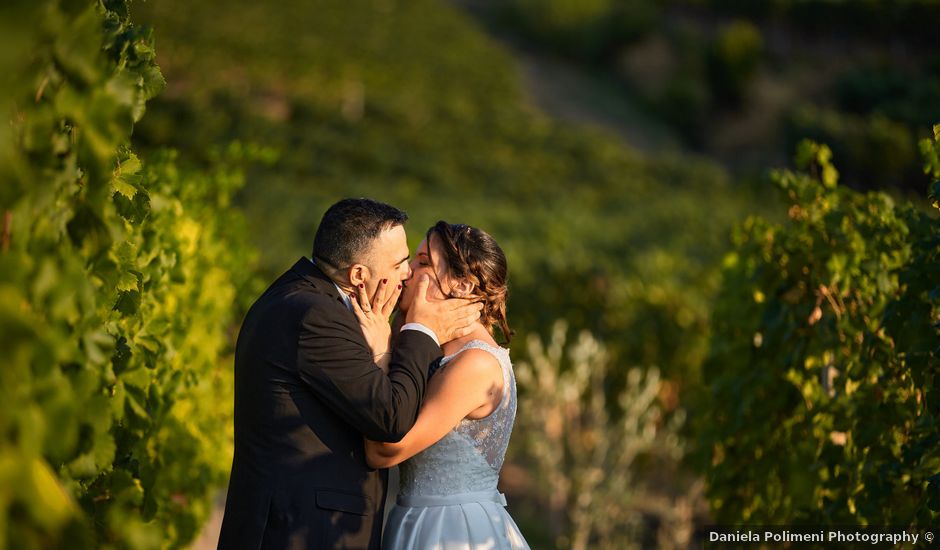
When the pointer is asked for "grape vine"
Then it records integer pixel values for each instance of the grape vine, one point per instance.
(823, 398)
(120, 280)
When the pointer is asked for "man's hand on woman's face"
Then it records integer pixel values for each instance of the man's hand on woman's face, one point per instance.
(449, 319)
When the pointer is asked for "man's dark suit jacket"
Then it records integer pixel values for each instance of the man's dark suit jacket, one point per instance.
(306, 392)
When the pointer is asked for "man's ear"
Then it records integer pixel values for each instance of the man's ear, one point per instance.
(358, 274)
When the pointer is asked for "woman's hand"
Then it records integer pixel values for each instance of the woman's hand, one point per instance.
(373, 314)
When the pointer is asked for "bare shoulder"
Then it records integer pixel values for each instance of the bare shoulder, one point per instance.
(471, 364)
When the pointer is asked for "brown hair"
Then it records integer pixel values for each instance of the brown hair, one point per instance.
(472, 254)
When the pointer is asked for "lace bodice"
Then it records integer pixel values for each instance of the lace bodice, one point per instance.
(469, 457)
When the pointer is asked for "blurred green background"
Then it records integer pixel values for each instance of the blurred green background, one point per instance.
(609, 146)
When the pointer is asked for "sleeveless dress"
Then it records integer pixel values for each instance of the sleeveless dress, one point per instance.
(447, 498)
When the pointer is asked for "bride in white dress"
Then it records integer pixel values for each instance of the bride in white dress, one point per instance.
(451, 458)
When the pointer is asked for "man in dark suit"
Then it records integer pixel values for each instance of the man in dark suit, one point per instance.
(307, 389)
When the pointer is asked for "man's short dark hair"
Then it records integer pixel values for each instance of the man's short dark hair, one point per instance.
(349, 227)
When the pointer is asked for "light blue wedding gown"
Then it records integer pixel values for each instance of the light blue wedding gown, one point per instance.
(447, 498)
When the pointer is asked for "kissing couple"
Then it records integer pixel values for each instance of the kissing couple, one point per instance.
(328, 395)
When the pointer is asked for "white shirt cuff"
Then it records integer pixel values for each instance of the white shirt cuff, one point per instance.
(421, 328)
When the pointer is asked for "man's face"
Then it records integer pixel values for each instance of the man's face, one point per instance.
(430, 260)
(388, 259)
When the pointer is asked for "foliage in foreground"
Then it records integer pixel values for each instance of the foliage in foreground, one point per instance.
(823, 401)
(117, 285)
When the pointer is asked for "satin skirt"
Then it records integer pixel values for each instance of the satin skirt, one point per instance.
(467, 521)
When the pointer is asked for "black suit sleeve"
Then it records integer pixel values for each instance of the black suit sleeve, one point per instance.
(335, 362)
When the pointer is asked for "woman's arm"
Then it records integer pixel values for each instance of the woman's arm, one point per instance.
(470, 383)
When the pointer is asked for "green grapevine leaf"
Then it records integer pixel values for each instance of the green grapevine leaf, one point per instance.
(128, 282)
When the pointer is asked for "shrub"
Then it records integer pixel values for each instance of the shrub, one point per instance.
(587, 448)
(733, 59)
(118, 285)
(822, 381)
(877, 150)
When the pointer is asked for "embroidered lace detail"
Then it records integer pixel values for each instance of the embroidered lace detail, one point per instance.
(469, 457)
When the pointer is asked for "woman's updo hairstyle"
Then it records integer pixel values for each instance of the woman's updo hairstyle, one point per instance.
(472, 254)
